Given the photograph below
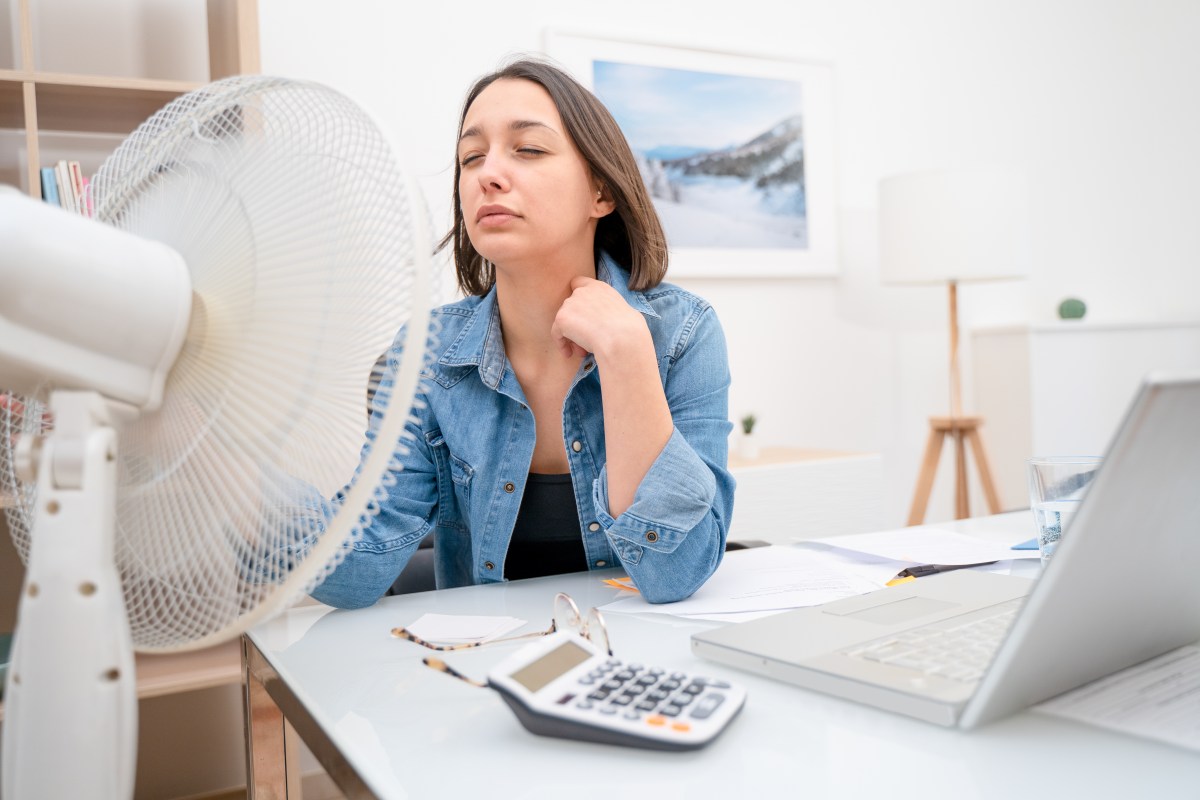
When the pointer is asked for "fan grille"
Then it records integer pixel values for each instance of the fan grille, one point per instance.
(305, 249)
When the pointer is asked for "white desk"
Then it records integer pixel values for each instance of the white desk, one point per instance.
(384, 724)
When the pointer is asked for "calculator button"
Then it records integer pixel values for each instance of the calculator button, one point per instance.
(655, 671)
(683, 699)
(707, 705)
(670, 685)
(670, 711)
(658, 695)
(656, 720)
(634, 689)
(611, 685)
(682, 727)
(623, 675)
(678, 676)
(622, 700)
(587, 680)
(647, 680)
(693, 688)
(599, 694)
(636, 667)
(585, 704)
(633, 714)
(608, 709)
(646, 705)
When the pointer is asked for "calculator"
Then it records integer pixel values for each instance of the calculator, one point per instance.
(564, 686)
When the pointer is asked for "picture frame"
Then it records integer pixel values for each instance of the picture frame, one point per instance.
(737, 151)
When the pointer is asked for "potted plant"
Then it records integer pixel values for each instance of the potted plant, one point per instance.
(748, 443)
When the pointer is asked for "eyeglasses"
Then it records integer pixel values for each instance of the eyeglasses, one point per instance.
(567, 617)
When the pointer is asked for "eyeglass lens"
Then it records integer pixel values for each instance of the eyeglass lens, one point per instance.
(568, 618)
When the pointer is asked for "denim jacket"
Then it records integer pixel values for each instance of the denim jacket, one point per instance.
(471, 444)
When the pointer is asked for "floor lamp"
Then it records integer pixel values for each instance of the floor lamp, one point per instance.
(949, 227)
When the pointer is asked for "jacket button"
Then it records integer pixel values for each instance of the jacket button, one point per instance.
(587, 367)
(601, 563)
(509, 487)
(595, 526)
(576, 446)
(488, 565)
(651, 536)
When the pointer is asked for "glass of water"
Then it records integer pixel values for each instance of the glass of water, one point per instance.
(1056, 488)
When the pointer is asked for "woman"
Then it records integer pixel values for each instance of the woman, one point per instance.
(574, 415)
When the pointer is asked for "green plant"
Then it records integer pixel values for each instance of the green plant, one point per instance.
(748, 424)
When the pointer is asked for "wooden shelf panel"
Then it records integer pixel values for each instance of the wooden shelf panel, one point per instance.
(12, 106)
(186, 672)
(79, 81)
(98, 110)
(93, 104)
(771, 456)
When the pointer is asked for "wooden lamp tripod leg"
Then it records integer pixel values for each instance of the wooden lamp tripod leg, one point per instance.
(929, 464)
(985, 471)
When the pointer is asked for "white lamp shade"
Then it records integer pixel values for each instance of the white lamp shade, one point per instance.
(953, 225)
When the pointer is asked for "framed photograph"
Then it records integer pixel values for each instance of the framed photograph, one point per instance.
(737, 151)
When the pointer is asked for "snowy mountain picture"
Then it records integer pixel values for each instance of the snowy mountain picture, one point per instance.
(723, 155)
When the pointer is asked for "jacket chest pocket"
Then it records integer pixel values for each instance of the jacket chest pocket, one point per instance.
(453, 483)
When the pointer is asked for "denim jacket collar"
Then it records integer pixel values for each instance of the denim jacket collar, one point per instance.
(481, 343)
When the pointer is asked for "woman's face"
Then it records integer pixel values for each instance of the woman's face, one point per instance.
(527, 195)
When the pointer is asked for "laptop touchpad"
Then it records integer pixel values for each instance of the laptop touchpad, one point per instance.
(898, 610)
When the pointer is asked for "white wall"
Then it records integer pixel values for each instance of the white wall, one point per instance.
(1095, 100)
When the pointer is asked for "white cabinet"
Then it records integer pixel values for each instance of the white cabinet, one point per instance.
(789, 493)
(1063, 388)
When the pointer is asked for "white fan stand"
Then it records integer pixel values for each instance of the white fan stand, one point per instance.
(71, 684)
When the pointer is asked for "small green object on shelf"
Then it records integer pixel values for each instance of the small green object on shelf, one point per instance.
(1072, 308)
(5, 651)
(748, 424)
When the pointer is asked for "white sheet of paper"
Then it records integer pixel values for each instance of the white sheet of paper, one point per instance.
(459, 629)
(928, 545)
(773, 578)
(1158, 699)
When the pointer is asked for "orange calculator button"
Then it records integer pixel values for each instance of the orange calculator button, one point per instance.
(656, 720)
(682, 727)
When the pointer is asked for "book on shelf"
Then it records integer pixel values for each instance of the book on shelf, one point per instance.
(66, 186)
(49, 186)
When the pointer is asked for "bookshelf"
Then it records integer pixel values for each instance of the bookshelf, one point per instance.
(45, 112)
(37, 105)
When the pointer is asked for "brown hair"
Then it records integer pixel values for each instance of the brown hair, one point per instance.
(632, 235)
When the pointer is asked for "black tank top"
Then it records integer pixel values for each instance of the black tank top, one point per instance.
(546, 539)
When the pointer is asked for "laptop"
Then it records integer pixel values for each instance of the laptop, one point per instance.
(1123, 587)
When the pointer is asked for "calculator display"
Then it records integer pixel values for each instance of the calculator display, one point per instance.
(559, 660)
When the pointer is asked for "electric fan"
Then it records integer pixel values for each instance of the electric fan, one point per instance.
(188, 378)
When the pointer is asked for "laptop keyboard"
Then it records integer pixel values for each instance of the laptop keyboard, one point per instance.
(959, 648)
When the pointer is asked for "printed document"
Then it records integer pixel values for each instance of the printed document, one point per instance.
(1159, 699)
(928, 545)
(769, 579)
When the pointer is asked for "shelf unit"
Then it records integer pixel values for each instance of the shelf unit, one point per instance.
(790, 493)
(33, 101)
(36, 105)
(186, 672)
